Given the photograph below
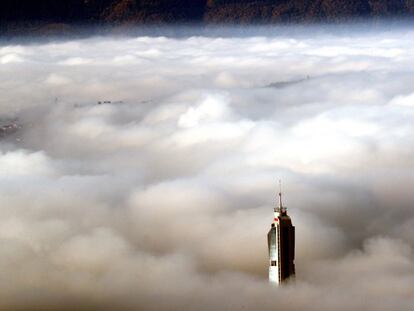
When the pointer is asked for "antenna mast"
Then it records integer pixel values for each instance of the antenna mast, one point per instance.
(280, 195)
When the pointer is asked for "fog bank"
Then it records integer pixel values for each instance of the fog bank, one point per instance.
(162, 199)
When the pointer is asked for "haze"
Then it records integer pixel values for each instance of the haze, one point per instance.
(163, 201)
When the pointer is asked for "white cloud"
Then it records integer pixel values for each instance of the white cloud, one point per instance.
(403, 100)
(11, 58)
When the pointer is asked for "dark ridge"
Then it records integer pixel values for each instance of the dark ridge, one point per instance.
(58, 17)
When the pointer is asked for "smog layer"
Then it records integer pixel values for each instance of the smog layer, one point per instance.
(161, 196)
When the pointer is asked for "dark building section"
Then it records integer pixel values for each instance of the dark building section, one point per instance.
(8, 127)
(281, 245)
(287, 246)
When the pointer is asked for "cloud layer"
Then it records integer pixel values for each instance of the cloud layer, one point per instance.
(162, 200)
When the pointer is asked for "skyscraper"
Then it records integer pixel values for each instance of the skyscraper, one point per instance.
(281, 243)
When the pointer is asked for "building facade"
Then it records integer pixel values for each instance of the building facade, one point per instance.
(281, 244)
